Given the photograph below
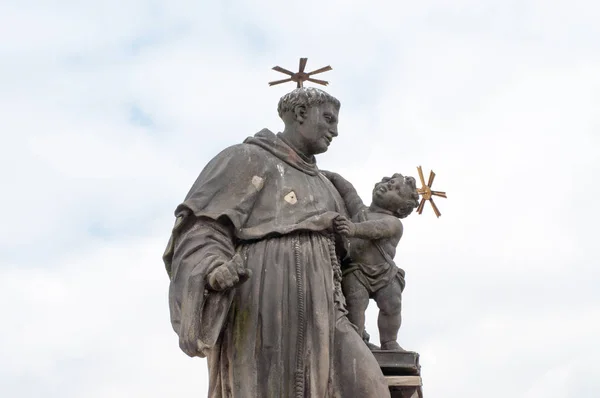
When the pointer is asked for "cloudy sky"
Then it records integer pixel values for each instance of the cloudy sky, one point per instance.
(109, 110)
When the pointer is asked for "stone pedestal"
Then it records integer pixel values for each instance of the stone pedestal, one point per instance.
(402, 372)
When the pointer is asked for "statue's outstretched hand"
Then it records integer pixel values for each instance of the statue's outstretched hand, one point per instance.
(344, 226)
(229, 274)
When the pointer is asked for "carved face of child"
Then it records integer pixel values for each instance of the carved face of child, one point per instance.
(397, 194)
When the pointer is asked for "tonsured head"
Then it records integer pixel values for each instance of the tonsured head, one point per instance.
(397, 194)
(313, 115)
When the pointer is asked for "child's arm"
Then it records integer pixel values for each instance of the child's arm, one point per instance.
(371, 230)
(353, 202)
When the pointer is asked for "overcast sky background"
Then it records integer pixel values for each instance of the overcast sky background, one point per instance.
(110, 109)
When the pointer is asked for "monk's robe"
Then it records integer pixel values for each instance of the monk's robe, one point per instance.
(284, 332)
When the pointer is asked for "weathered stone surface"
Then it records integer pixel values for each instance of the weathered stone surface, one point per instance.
(374, 232)
(405, 386)
(398, 363)
(406, 392)
(255, 267)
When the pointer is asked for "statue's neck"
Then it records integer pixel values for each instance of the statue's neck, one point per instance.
(291, 138)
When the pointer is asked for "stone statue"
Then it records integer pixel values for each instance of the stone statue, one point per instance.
(375, 231)
(255, 277)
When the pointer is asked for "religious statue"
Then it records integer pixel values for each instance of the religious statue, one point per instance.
(375, 232)
(254, 265)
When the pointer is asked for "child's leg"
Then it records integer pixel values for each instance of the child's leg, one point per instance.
(357, 300)
(389, 301)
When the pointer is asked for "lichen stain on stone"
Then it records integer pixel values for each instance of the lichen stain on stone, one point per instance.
(241, 328)
(258, 182)
(291, 198)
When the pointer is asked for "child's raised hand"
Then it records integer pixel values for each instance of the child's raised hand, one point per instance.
(327, 174)
(330, 175)
(344, 226)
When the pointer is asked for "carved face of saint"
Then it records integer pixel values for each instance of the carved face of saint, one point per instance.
(397, 194)
(318, 127)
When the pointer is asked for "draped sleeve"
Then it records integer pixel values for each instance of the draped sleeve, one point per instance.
(204, 237)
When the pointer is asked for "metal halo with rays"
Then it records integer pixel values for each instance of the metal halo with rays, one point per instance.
(300, 77)
(426, 192)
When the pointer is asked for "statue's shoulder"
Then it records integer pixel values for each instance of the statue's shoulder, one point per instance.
(249, 157)
(240, 152)
(238, 160)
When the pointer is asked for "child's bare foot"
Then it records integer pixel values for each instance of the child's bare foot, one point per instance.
(391, 346)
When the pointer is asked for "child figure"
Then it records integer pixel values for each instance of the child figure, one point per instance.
(374, 232)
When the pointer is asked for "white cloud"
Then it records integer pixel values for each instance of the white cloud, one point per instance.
(498, 98)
